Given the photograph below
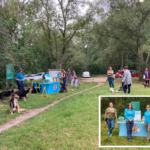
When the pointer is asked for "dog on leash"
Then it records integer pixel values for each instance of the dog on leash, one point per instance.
(120, 89)
(23, 94)
(14, 104)
(6, 94)
(62, 88)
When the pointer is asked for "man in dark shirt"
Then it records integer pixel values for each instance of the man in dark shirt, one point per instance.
(69, 74)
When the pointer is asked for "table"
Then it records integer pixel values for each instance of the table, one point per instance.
(50, 87)
(138, 129)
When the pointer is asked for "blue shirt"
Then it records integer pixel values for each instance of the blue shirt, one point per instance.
(58, 76)
(47, 75)
(147, 116)
(20, 76)
(129, 114)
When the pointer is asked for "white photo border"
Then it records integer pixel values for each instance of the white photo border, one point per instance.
(100, 97)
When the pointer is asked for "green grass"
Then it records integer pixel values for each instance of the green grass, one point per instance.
(71, 124)
(36, 101)
(117, 140)
(136, 89)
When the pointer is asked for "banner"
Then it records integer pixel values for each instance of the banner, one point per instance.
(9, 72)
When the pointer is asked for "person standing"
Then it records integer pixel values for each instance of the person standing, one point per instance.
(69, 76)
(129, 115)
(20, 80)
(110, 74)
(64, 79)
(147, 122)
(147, 77)
(110, 115)
(127, 80)
(73, 78)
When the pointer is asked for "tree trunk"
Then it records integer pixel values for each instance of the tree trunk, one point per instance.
(121, 66)
(61, 61)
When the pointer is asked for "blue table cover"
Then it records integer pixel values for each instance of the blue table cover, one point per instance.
(50, 87)
(138, 128)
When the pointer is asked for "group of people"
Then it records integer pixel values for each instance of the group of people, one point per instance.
(126, 80)
(129, 113)
(69, 78)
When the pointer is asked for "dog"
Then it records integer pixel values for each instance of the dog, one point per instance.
(120, 89)
(62, 88)
(14, 104)
(112, 90)
(23, 93)
(6, 94)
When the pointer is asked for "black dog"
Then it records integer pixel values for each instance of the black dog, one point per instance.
(23, 93)
(62, 88)
(6, 94)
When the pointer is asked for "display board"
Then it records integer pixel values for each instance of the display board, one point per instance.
(137, 116)
(136, 105)
(54, 72)
(9, 72)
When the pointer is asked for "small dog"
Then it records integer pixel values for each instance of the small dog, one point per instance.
(6, 94)
(62, 88)
(23, 93)
(14, 104)
(112, 90)
(120, 89)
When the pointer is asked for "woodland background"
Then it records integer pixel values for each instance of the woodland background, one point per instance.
(91, 35)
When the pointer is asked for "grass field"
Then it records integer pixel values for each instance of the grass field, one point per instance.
(116, 140)
(71, 124)
(36, 101)
(136, 89)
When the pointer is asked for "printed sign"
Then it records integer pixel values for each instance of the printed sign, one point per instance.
(135, 129)
(136, 105)
(55, 87)
(54, 73)
(137, 116)
(10, 72)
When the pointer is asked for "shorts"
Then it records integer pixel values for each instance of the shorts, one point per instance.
(69, 80)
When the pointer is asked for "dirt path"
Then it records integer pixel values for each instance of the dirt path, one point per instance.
(34, 112)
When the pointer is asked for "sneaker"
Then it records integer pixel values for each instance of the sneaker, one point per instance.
(110, 89)
(108, 133)
(130, 140)
(147, 141)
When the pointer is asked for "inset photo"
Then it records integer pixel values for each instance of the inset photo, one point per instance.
(124, 121)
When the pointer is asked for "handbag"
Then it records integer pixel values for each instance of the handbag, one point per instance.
(144, 77)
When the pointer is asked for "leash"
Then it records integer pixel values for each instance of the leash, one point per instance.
(3, 102)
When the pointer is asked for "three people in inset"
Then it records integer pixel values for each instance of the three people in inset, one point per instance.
(129, 116)
(110, 116)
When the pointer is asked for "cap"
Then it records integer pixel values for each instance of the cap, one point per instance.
(20, 68)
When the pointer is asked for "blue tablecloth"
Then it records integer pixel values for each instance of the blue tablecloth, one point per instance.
(50, 87)
(138, 127)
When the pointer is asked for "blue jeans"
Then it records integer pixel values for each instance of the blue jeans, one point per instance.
(111, 82)
(20, 86)
(111, 124)
(129, 126)
(64, 83)
(127, 87)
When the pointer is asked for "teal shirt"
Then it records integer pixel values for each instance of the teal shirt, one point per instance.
(147, 116)
(129, 114)
(20, 76)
